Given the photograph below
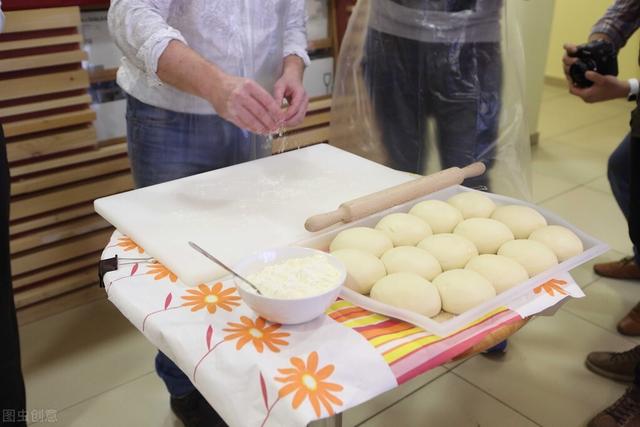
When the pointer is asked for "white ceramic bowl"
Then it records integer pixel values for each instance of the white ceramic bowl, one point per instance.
(286, 311)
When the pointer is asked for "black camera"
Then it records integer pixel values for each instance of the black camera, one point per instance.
(599, 56)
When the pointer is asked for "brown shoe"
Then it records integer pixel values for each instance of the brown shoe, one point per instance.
(626, 268)
(630, 324)
(625, 412)
(617, 366)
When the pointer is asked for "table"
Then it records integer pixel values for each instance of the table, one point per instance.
(292, 375)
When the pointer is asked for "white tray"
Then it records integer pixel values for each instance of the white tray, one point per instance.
(593, 248)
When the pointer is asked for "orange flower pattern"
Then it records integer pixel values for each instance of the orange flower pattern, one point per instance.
(128, 245)
(257, 333)
(551, 287)
(159, 272)
(211, 298)
(308, 382)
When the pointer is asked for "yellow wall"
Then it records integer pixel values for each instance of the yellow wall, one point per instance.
(572, 22)
(534, 19)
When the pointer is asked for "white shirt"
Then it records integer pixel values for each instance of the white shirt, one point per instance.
(246, 38)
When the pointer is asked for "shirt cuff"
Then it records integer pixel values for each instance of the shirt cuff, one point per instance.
(149, 53)
(299, 52)
(616, 39)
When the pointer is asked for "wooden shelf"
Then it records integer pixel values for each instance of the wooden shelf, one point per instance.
(33, 4)
(40, 19)
(320, 44)
(40, 42)
(106, 75)
(56, 165)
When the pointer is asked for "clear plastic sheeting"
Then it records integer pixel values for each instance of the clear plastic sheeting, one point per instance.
(423, 85)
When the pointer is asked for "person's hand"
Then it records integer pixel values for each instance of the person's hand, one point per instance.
(246, 104)
(289, 86)
(568, 60)
(604, 88)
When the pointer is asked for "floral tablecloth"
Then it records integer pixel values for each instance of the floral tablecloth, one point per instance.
(256, 373)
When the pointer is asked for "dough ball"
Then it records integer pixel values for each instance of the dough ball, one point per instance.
(363, 269)
(473, 204)
(462, 290)
(404, 229)
(408, 291)
(562, 241)
(441, 216)
(487, 234)
(502, 272)
(366, 239)
(521, 220)
(409, 259)
(451, 250)
(533, 256)
(443, 316)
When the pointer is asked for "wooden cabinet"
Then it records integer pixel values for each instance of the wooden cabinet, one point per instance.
(57, 166)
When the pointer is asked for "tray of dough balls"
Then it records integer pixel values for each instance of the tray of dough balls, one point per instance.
(447, 259)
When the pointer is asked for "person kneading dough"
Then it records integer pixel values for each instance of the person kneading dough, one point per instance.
(473, 204)
(409, 259)
(562, 241)
(533, 256)
(441, 216)
(451, 250)
(404, 229)
(363, 238)
(461, 290)
(503, 272)
(485, 233)
(408, 291)
(521, 220)
(363, 269)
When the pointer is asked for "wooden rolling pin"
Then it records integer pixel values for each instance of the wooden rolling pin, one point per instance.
(393, 196)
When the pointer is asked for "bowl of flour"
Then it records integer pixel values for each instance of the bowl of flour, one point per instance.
(296, 284)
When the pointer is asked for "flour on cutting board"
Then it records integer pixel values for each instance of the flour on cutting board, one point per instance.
(235, 211)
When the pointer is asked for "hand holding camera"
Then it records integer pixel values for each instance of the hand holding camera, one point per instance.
(599, 56)
(591, 70)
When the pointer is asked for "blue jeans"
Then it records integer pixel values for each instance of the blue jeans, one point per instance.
(459, 85)
(619, 174)
(165, 145)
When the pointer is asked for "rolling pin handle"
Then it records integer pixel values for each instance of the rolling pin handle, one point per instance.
(474, 169)
(322, 221)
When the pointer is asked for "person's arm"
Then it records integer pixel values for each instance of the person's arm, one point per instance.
(295, 59)
(140, 29)
(1, 17)
(240, 100)
(618, 24)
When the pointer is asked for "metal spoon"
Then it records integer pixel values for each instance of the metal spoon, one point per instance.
(221, 264)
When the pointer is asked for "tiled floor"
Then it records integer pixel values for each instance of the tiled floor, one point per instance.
(95, 369)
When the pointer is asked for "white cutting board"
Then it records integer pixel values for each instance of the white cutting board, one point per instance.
(235, 211)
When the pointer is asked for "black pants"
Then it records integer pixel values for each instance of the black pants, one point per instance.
(634, 181)
(459, 85)
(12, 395)
(634, 193)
